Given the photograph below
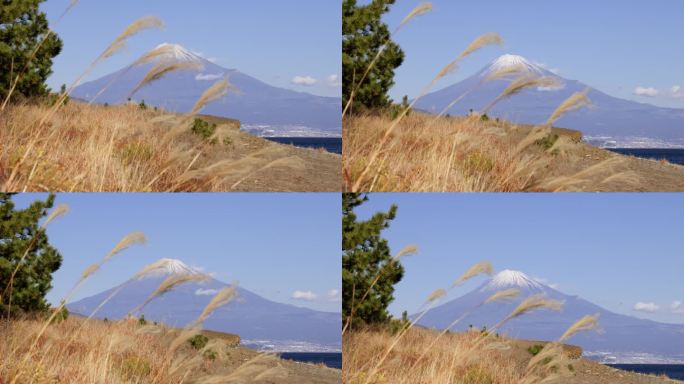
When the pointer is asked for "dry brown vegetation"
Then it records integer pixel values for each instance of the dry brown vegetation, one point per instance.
(128, 352)
(124, 148)
(454, 358)
(426, 153)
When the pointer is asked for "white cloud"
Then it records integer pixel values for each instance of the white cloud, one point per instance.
(333, 81)
(646, 307)
(304, 295)
(334, 295)
(205, 292)
(304, 80)
(209, 76)
(677, 92)
(646, 91)
(677, 307)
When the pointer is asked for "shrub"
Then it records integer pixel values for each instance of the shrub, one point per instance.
(198, 341)
(142, 320)
(395, 325)
(204, 129)
(484, 117)
(548, 141)
(535, 349)
(142, 105)
(210, 354)
(62, 315)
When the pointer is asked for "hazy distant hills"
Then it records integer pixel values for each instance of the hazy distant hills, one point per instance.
(610, 122)
(262, 108)
(622, 338)
(257, 320)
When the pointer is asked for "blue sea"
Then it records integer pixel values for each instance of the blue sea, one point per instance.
(670, 370)
(331, 144)
(332, 360)
(673, 155)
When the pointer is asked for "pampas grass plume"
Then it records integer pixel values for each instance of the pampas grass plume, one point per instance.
(506, 294)
(477, 269)
(57, 212)
(533, 303)
(127, 241)
(408, 250)
(419, 10)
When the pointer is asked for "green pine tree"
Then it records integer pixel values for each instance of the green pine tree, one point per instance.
(22, 28)
(19, 232)
(365, 258)
(363, 36)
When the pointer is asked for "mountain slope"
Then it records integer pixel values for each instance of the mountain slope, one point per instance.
(611, 121)
(622, 337)
(251, 316)
(259, 106)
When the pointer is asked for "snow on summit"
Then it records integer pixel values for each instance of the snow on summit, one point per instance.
(179, 53)
(176, 267)
(515, 62)
(511, 279)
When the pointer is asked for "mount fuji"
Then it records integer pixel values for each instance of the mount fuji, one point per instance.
(609, 122)
(261, 108)
(259, 322)
(623, 339)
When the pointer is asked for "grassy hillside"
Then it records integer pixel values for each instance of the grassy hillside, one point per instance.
(431, 154)
(82, 147)
(422, 357)
(129, 352)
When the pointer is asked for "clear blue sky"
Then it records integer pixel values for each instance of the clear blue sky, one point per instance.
(273, 244)
(272, 40)
(612, 45)
(615, 250)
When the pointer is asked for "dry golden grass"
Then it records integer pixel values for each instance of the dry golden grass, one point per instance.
(76, 351)
(123, 148)
(449, 360)
(447, 155)
(425, 153)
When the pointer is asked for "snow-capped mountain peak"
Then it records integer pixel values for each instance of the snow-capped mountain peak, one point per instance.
(175, 267)
(511, 279)
(513, 62)
(178, 53)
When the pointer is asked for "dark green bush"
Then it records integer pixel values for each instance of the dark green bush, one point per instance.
(535, 349)
(204, 129)
(548, 141)
(198, 341)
